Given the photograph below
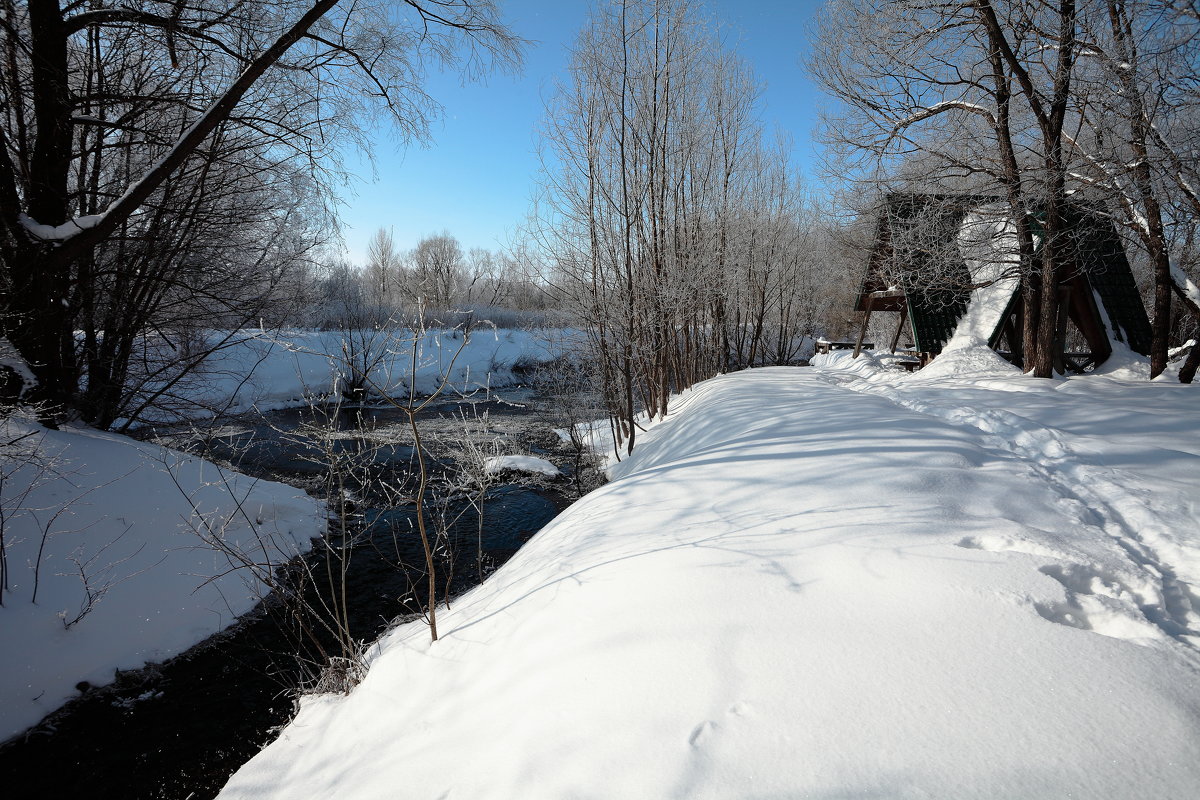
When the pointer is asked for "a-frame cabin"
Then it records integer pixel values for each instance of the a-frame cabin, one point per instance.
(918, 269)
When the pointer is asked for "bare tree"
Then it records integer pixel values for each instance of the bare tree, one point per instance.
(111, 94)
(437, 266)
(384, 268)
(669, 225)
(481, 277)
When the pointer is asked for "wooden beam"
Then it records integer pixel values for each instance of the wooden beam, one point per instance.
(1086, 315)
(1058, 360)
(900, 327)
(862, 332)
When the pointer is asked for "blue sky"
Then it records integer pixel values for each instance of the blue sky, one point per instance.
(476, 177)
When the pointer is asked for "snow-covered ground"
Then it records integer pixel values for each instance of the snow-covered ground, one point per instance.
(826, 582)
(134, 524)
(131, 523)
(270, 370)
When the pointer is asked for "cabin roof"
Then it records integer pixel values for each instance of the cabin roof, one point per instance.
(1101, 257)
(915, 263)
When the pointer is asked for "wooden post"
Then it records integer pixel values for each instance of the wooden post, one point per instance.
(1085, 312)
(862, 332)
(900, 327)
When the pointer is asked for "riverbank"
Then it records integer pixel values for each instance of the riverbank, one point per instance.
(187, 723)
(108, 541)
(812, 582)
(111, 535)
(269, 370)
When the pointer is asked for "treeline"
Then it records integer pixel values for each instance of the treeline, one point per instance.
(669, 220)
(436, 282)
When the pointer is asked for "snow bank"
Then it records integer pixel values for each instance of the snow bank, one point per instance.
(812, 583)
(109, 506)
(269, 371)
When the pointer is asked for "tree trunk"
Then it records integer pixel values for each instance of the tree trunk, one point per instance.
(40, 323)
(1155, 236)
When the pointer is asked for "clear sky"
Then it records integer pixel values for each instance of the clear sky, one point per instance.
(476, 177)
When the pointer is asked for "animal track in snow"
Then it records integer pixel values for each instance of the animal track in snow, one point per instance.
(701, 732)
(709, 728)
(1096, 497)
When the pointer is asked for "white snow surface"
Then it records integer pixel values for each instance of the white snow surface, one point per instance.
(135, 532)
(270, 370)
(829, 582)
(530, 464)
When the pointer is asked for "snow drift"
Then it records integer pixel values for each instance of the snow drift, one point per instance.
(816, 583)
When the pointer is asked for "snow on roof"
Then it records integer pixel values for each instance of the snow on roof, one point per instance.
(987, 240)
(813, 583)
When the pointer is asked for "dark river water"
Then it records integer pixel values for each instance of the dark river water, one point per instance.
(179, 729)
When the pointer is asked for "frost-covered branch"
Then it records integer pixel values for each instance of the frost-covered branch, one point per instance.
(940, 108)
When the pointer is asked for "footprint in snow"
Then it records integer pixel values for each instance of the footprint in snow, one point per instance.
(701, 732)
(708, 728)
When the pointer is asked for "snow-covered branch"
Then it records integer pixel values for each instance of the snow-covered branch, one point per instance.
(58, 233)
(939, 108)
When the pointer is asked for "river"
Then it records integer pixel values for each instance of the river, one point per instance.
(180, 728)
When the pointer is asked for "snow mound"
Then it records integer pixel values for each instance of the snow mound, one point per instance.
(530, 464)
(796, 589)
(965, 357)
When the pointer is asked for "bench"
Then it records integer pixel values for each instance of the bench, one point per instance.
(826, 347)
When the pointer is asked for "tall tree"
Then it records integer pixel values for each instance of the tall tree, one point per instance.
(107, 106)
(671, 225)
(437, 267)
(384, 267)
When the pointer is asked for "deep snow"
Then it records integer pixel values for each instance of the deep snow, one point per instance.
(830, 582)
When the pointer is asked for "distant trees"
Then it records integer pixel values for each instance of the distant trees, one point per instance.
(385, 268)
(681, 238)
(434, 281)
(1031, 100)
(436, 270)
(167, 162)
